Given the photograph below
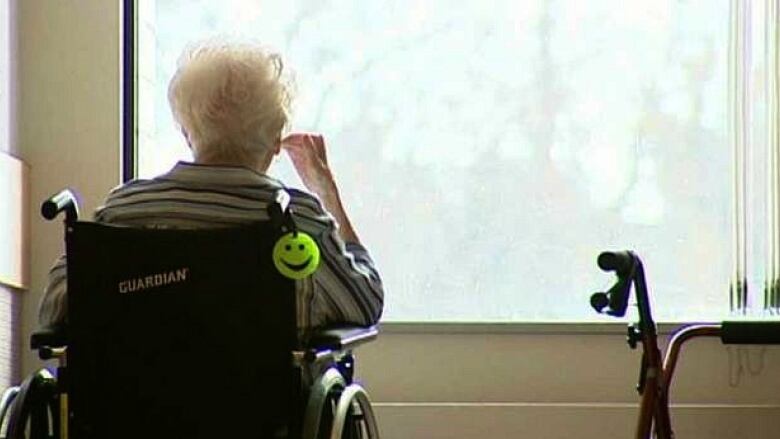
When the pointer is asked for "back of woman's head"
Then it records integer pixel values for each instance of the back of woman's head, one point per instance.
(232, 100)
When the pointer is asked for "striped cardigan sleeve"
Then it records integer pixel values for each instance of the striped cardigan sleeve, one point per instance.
(53, 307)
(346, 286)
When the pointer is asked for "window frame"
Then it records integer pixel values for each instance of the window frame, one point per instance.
(128, 92)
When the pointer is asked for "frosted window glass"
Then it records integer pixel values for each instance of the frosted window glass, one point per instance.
(488, 150)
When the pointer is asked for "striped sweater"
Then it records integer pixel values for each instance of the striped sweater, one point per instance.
(346, 288)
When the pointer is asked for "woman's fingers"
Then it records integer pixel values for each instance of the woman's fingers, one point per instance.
(306, 143)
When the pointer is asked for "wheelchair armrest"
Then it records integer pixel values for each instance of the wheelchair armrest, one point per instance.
(343, 338)
(50, 337)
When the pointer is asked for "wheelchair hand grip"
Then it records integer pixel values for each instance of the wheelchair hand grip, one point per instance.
(620, 262)
(62, 201)
(280, 203)
(280, 211)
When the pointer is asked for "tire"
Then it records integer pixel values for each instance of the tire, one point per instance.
(354, 415)
(36, 406)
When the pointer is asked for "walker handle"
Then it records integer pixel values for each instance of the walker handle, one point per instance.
(615, 301)
(750, 332)
(620, 262)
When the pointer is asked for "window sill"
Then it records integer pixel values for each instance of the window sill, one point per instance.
(521, 328)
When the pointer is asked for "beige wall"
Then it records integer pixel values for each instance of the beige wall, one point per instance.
(8, 74)
(68, 87)
(544, 383)
(557, 382)
(5, 74)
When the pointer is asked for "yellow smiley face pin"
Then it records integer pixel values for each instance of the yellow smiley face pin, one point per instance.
(296, 255)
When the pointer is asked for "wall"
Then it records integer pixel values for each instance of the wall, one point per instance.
(68, 85)
(428, 382)
(544, 383)
(7, 68)
(12, 199)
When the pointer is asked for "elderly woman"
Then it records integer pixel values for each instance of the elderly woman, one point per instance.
(232, 105)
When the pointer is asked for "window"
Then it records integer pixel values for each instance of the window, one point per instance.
(488, 151)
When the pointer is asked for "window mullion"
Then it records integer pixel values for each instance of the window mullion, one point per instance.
(772, 100)
(738, 93)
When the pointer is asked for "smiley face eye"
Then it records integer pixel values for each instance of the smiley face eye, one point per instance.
(300, 247)
(288, 247)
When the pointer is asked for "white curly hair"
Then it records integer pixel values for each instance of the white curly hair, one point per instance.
(232, 100)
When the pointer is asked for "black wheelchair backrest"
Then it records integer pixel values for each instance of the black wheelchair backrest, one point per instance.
(187, 331)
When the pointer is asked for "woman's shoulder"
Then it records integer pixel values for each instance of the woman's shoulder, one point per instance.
(309, 207)
(133, 186)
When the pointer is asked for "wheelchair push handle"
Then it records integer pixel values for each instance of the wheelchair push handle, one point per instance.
(280, 211)
(62, 201)
(279, 205)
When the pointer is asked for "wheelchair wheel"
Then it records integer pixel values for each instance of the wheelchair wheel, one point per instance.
(336, 410)
(354, 418)
(322, 404)
(35, 406)
(5, 403)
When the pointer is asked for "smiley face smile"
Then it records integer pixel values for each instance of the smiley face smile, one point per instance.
(297, 267)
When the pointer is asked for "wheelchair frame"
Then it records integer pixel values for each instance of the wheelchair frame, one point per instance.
(42, 399)
(330, 358)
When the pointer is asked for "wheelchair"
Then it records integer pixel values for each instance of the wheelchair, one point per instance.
(656, 371)
(167, 337)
